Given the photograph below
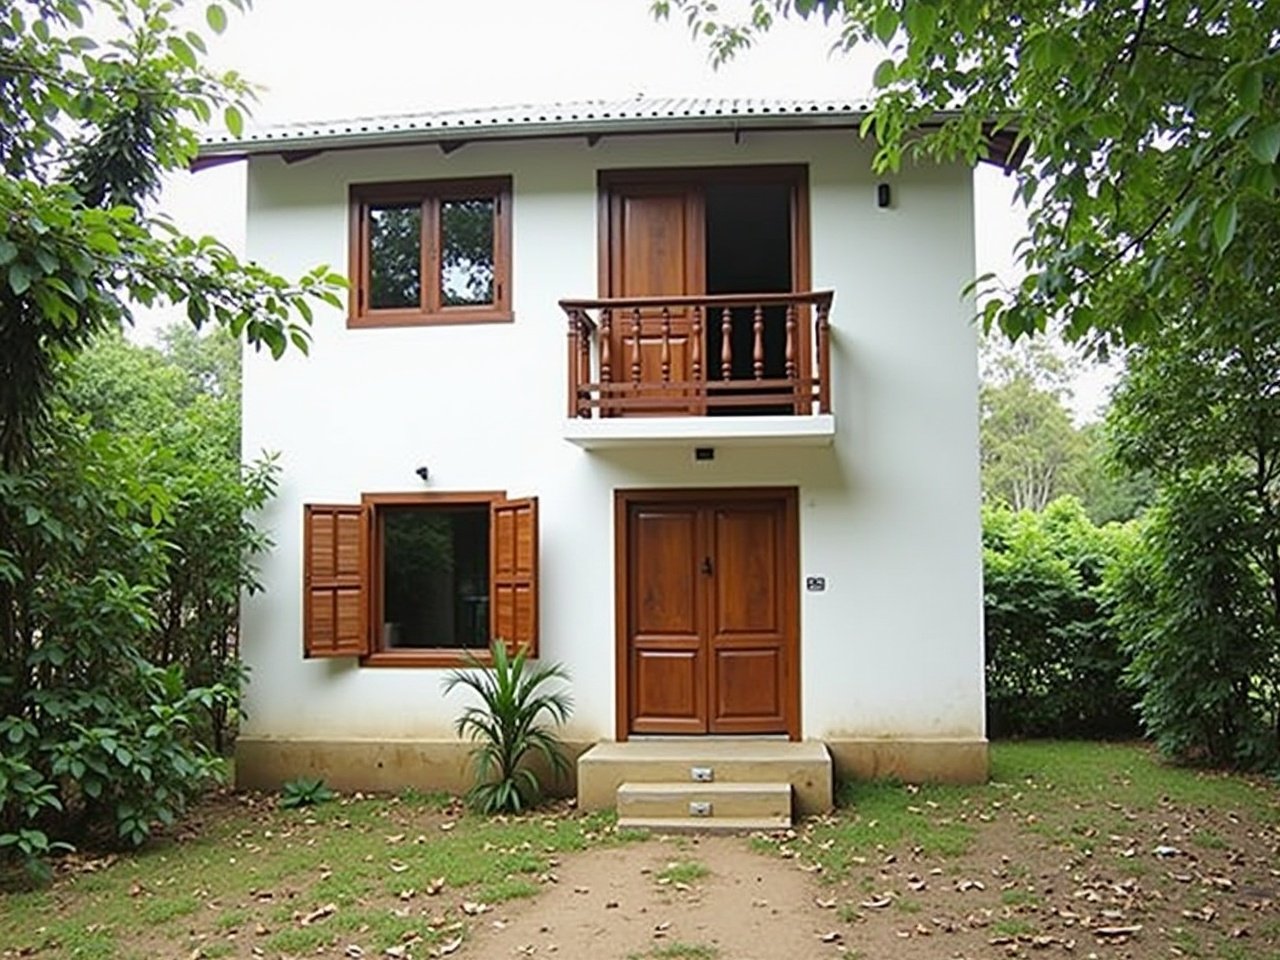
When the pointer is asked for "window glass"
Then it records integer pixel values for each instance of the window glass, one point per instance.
(435, 577)
(466, 252)
(395, 256)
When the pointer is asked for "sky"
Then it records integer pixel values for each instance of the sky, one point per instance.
(328, 59)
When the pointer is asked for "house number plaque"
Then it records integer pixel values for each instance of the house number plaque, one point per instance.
(815, 584)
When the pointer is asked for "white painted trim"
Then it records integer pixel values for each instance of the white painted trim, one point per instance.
(612, 432)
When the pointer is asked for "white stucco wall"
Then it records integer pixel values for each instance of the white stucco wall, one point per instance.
(889, 513)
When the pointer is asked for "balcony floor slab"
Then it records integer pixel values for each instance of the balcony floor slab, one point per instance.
(614, 432)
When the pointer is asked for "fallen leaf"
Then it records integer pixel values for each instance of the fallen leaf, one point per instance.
(318, 914)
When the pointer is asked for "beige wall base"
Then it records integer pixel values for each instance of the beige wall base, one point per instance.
(912, 761)
(394, 765)
(374, 765)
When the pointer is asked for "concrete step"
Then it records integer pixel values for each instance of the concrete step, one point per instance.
(704, 824)
(805, 765)
(764, 801)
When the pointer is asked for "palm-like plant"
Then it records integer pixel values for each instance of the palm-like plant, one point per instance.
(507, 725)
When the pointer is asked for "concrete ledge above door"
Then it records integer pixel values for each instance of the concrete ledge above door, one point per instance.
(770, 431)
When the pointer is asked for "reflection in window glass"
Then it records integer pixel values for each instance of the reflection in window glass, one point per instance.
(435, 577)
(395, 256)
(466, 252)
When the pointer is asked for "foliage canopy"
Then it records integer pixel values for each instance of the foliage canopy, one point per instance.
(1152, 129)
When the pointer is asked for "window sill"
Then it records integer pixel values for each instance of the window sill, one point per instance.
(414, 318)
(422, 658)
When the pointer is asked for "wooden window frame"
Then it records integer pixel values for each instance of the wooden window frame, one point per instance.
(429, 194)
(513, 589)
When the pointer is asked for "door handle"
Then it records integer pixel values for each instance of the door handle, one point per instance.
(706, 566)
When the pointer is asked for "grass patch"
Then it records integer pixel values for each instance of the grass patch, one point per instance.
(1013, 928)
(678, 951)
(254, 864)
(682, 871)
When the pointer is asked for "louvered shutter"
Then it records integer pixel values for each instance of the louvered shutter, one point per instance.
(513, 573)
(335, 581)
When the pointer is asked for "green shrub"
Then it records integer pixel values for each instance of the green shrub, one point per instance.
(1054, 666)
(514, 699)
(124, 545)
(305, 792)
(1193, 611)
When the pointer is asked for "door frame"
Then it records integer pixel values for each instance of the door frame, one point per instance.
(795, 175)
(790, 499)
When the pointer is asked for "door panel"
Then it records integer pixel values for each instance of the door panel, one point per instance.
(746, 558)
(666, 616)
(748, 690)
(710, 599)
(656, 248)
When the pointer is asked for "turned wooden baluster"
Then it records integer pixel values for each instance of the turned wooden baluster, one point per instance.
(575, 364)
(635, 345)
(695, 348)
(824, 358)
(666, 345)
(790, 355)
(726, 345)
(606, 345)
(757, 348)
(791, 341)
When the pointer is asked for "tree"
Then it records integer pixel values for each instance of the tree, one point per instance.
(86, 129)
(109, 560)
(1031, 451)
(1144, 134)
(1199, 409)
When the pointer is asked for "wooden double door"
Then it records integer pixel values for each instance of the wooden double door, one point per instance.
(708, 612)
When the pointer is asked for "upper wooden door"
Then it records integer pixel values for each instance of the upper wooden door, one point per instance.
(709, 613)
(656, 248)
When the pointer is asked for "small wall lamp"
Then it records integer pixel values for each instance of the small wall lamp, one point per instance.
(884, 196)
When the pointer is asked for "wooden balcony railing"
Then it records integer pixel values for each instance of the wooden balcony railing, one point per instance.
(743, 354)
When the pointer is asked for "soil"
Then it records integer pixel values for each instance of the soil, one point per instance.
(614, 904)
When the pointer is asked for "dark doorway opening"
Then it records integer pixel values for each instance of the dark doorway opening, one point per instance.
(748, 250)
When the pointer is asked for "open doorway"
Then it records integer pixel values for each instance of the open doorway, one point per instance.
(710, 231)
(748, 238)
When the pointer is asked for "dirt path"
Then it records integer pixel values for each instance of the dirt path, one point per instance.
(642, 900)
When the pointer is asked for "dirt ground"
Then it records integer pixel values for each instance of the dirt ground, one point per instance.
(1150, 892)
(617, 903)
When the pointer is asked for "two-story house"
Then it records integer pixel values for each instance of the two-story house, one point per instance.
(679, 392)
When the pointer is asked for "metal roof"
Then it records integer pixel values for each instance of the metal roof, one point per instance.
(586, 117)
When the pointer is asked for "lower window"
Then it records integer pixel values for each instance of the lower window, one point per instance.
(420, 579)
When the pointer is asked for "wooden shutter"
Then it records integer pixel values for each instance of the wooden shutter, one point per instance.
(513, 573)
(335, 607)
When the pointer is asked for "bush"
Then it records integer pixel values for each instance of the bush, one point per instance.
(1193, 612)
(1054, 667)
(506, 722)
(124, 545)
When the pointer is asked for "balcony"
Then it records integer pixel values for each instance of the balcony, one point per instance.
(735, 369)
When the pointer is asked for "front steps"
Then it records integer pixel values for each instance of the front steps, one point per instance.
(706, 784)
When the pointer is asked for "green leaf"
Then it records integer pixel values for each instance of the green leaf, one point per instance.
(886, 25)
(1224, 225)
(216, 16)
(1264, 143)
(8, 251)
(1184, 217)
(885, 73)
(19, 278)
(234, 121)
(182, 50)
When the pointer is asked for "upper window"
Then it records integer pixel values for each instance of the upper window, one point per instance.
(420, 579)
(431, 251)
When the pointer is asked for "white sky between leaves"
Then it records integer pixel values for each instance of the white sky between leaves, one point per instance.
(331, 59)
